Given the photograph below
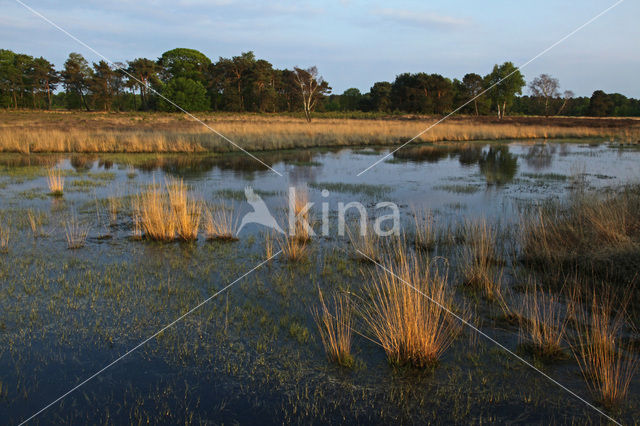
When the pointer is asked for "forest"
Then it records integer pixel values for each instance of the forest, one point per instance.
(187, 79)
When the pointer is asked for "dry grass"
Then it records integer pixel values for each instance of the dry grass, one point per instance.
(425, 233)
(543, 323)
(221, 223)
(4, 238)
(302, 223)
(268, 245)
(115, 204)
(592, 236)
(368, 245)
(75, 232)
(94, 132)
(186, 212)
(607, 363)
(293, 248)
(410, 323)
(479, 261)
(334, 326)
(154, 214)
(55, 180)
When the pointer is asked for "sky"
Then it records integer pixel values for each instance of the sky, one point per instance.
(354, 43)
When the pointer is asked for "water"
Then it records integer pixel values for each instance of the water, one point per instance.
(254, 352)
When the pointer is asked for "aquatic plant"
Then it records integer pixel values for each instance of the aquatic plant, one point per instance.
(543, 323)
(221, 223)
(334, 326)
(186, 211)
(75, 232)
(478, 259)
(424, 233)
(608, 363)
(404, 307)
(293, 248)
(55, 180)
(4, 238)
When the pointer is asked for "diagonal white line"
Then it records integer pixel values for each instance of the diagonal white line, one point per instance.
(491, 339)
(94, 375)
(35, 12)
(492, 86)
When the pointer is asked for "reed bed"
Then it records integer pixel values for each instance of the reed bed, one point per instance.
(607, 362)
(76, 233)
(55, 181)
(166, 213)
(335, 327)
(59, 132)
(221, 223)
(404, 310)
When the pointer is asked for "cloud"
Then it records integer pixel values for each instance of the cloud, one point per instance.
(420, 19)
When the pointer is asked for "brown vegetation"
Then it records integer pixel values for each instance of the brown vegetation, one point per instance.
(334, 326)
(221, 224)
(55, 182)
(29, 132)
(405, 311)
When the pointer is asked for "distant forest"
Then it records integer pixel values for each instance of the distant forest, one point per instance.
(190, 79)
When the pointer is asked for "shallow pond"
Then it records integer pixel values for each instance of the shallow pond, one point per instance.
(252, 354)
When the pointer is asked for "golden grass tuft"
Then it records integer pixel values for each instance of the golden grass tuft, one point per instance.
(293, 248)
(164, 214)
(403, 310)
(479, 259)
(268, 245)
(334, 326)
(221, 223)
(55, 180)
(75, 232)
(543, 324)
(186, 212)
(424, 235)
(4, 238)
(607, 362)
(300, 228)
(368, 245)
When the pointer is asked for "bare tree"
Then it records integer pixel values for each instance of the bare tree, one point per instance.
(566, 96)
(312, 88)
(545, 87)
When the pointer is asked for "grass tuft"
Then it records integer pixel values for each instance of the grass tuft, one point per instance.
(55, 180)
(334, 326)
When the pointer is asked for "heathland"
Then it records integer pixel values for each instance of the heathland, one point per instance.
(27, 131)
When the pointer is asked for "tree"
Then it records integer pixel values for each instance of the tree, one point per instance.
(146, 76)
(566, 98)
(380, 94)
(545, 88)
(189, 94)
(76, 76)
(600, 104)
(350, 99)
(104, 84)
(45, 78)
(187, 63)
(311, 88)
(473, 86)
(505, 81)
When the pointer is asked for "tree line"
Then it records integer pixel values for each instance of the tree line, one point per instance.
(189, 79)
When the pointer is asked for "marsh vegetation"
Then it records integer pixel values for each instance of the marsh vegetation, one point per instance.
(338, 327)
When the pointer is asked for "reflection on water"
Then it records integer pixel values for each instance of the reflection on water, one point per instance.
(540, 156)
(498, 165)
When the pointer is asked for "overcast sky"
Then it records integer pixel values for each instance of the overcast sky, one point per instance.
(354, 43)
